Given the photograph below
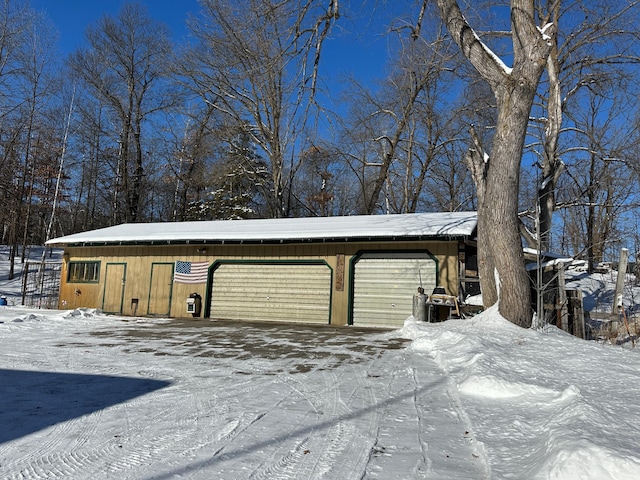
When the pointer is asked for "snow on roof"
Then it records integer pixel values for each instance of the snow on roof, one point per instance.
(283, 229)
(547, 259)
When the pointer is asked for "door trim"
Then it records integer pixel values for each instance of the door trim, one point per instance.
(124, 283)
(153, 264)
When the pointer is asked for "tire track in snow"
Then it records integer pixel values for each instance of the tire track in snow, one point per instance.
(338, 444)
(336, 440)
(39, 461)
(221, 422)
(403, 445)
(66, 462)
(119, 452)
(463, 450)
(285, 467)
(73, 459)
(137, 446)
(174, 425)
(339, 416)
(333, 436)
(78, 464)
(324, 400)
(291, 461)
(330, 441)
(377, 448)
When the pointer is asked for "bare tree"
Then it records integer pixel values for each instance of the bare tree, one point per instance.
(496, 176)
(256, 63)
(26, 73)
(123, 66)
(448, 186)
(319, 184)
(395, 129)
(36, 85)
(398, 130)
(89, 194)
(597, 48)
(599, 189)
(190, 144)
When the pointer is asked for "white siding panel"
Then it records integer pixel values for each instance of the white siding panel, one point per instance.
(272, 292)
(384, 287)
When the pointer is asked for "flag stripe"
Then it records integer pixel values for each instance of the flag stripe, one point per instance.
(191, 272)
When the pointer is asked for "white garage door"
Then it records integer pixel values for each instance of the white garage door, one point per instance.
(384, 286)
(278, 292)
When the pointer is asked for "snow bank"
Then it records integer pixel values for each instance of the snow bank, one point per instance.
(542, 403)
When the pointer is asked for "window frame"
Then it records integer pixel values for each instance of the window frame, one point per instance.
(89, 271)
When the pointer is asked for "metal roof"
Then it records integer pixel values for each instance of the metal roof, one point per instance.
(308, 229)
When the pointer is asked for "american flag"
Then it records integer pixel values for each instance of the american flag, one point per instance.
(191, 272)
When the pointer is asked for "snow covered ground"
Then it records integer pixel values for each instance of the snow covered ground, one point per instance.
(84, 395)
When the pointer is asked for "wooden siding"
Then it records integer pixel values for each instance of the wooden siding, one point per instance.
(139, 261)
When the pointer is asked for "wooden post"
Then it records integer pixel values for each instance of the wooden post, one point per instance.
(340, 272)
(25, 282)
(562, 301)
(575, 313)
(622, 272)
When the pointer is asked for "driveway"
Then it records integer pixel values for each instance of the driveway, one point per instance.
(296, 348)
(92, 396)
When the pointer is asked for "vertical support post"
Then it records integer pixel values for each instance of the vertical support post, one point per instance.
(562, 301)
(622, 272)
(25, 282)
(576, 313)
(340, 272)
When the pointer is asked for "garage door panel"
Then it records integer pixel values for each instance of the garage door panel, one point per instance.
(384, 286)
(272, 292)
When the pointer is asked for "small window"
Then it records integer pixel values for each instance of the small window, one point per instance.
(84, 272)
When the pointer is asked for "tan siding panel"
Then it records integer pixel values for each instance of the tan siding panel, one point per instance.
(384, 288)
(272, 292)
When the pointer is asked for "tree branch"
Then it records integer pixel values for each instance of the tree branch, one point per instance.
(487, 63)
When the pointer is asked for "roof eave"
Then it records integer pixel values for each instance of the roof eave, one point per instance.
(359, 239)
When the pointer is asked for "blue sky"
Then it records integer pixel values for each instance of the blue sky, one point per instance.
(362, 54)
(71, 17)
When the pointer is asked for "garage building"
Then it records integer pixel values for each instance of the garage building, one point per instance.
(352, 270)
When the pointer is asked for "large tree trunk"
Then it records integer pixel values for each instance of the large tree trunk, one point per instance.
(498, 215)
(501, 263)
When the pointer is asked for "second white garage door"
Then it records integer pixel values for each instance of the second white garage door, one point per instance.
(384, 285)
(279, 292)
